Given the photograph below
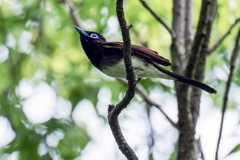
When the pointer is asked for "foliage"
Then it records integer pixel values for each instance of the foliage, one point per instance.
(39, 45)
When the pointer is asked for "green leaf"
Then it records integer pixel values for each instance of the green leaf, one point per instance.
(235, 149)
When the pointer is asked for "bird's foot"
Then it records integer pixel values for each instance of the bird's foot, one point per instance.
(138, 80)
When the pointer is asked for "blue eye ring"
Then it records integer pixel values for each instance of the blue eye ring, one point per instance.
(94, 35)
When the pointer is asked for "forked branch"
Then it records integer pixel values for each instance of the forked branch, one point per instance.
(113, 111)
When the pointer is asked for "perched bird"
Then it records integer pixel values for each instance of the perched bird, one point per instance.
(108, 58)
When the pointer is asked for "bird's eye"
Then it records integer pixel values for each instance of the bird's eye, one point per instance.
(94, 35)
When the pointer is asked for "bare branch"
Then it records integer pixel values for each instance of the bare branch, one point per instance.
(142, 91)
(151, 140)
(199, 73)
(127, 60)
(199, 38)
(188, 27)
(210, 50)
(74, 13)
(178, 24)
(200, 148)
(158, 18)
(177, 53)
(115, 111)
(146, 97)
(187, 143)
(118, 135)
(228, 85)
(127, 44)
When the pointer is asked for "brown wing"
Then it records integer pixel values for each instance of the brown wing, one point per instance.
(145, 53)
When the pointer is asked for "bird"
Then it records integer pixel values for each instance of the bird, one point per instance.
(108, 58)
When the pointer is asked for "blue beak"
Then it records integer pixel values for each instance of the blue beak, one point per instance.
(81, 31)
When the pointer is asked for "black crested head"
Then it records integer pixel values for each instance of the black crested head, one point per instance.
(91, 43)
(90, 37)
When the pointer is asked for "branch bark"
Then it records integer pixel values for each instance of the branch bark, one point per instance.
(187, 144)
(188, 27)
(74, 14)
(113, 111)
(199, 73)
(118, 135)
(228, 85)
(199, 38)
(178, 24)
(215, 46)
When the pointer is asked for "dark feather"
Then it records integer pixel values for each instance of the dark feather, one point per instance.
(144, 53)
(108, 58)
(186, 80)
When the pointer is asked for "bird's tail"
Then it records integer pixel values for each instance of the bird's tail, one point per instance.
(188, 81)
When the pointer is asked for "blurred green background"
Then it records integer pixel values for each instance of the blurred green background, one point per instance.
(53, 102)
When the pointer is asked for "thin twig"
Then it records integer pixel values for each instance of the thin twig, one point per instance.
(113, 111)
(74, 13)
(158, 18)
(200, 148)
(175, 46)
(210, 50)
(141, 90)
(228, 85)
(146, 97)
(151, 140)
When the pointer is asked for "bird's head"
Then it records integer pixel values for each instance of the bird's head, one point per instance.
(92, 37)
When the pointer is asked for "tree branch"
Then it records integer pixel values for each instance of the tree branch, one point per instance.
(228, 85)
(223, 37)
(142, 91)
(188, 27)
(151, 140)
(199, 38)
(200, 148)
(199, 73)
(178, 24)
(74, 13)
(118, 135)
(158, 18)
(113, 112)
(187, 143)
(146, 97)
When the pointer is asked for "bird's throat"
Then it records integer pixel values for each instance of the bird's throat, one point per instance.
(93, 53)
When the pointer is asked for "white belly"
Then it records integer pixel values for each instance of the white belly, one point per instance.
(118, 71)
